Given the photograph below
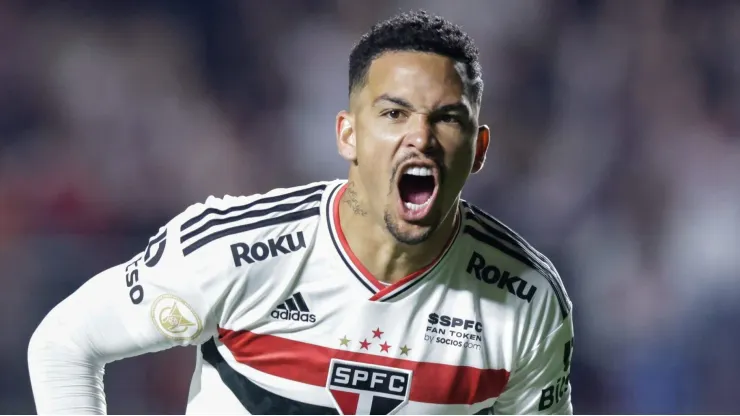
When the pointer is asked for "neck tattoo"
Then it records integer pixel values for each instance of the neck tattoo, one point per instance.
(350, 198)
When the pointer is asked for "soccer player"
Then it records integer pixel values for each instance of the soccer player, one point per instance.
(384, 293)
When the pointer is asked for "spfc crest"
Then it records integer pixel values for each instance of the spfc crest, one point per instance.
(367, 389)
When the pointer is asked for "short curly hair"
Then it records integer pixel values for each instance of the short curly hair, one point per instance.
(421, 32)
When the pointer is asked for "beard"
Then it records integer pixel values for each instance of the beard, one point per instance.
(407, 237)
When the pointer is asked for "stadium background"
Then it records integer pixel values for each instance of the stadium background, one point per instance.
(615, 152)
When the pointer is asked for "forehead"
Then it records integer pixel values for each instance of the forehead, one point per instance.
(425, 79)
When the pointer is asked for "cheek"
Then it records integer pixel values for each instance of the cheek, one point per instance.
(382, 137)
(461, 160)
(374, 159)
(377, 144)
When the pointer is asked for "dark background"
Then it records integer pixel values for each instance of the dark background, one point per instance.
(615, 152)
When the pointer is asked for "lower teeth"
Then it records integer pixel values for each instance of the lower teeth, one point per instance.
(416, 207)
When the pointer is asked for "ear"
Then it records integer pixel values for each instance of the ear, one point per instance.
(346, 141)
(481, 147)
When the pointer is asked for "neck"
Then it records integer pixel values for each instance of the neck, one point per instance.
(379, 252)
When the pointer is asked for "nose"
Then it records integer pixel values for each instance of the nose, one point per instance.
(420, 135)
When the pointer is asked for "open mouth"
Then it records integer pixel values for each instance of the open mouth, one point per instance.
(417, 188)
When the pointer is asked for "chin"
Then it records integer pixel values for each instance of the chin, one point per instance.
(406, 232)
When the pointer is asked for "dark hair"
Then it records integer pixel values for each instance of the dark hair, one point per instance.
(420, 32)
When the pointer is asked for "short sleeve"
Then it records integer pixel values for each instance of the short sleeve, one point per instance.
(540, 384)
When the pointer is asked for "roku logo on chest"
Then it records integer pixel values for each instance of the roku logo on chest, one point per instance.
(285, 244)
(503, 279)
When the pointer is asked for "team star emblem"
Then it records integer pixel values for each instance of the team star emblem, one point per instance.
(384, 347)
(377, 333)
(344, 342)
(364, 344)
(405, 350)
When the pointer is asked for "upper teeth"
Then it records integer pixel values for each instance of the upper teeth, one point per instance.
(418, 171)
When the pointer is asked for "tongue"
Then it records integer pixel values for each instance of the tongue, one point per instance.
(416, 189)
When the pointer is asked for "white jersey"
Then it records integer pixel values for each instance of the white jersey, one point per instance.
(287, 321)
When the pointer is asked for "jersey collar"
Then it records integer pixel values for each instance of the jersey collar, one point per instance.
(380, 291)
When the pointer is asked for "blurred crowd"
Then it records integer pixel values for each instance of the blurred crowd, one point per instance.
(615, 152)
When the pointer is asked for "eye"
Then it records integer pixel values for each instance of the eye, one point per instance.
(449, 119)
(393, 114)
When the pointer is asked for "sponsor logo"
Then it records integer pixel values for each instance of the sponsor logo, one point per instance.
(152, 256)
(554, 393)
(503, 279)
(455, 332)
(293, 309)
(448, 321)
(285, 244)
(155, 249)
(367, 389)
(175, 319)
(136, 291)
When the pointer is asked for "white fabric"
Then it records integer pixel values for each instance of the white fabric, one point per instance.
(273, 272)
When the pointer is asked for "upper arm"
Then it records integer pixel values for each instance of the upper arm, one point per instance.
(541, 382)
(158, 299)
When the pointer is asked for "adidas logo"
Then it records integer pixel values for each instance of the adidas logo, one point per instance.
(293, 309)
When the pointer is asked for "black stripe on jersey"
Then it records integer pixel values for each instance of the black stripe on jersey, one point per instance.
(508, 234)
(489, 240)
(293, 216)
(250, 214)
(518, 245)
(516, 240)
(266, 200)
(301, 302)
(329, 215)
(255, 399)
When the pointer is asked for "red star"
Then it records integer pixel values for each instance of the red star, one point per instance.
(364, 344)
(384, 347)
(377, 333)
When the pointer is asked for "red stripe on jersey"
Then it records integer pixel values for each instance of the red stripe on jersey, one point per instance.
(384, 289)
(407, 279)
(309, 364)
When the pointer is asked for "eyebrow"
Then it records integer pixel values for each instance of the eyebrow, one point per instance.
(395, 100)
(452, 108)
(448, 108)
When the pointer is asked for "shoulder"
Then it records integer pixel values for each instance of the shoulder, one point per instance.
(223, 221)
(205, 235)
(215, 247)
(502, 258)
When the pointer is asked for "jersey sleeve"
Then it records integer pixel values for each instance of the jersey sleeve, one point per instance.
(540, 383)
(159, 299)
